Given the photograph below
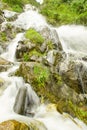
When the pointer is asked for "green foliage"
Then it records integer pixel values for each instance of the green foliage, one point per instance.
(35, 52)
(3, 37)
(73, 109)
(17, 8)
(41, 75)
(65, 11)
(16, 5)
(56, 11)
(34, 36)
(50, 45)
(26, 57)
(79, 113)
(58, 79)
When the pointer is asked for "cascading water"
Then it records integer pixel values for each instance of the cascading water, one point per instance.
(18, 92)
(74, 42)
(73, 39)
(10, 53)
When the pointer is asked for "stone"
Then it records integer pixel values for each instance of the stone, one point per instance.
(1, 19)
(13, 125)
(4, 64)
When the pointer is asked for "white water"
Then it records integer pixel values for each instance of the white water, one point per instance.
(40, 1)
(74, 40)
(47, 114)
(10, 53)
(31, 19)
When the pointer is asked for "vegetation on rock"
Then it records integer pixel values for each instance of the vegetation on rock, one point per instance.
(13, 125)
(57, 12)
(34, 36)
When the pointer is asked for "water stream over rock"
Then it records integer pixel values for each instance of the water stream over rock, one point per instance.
(19, 101)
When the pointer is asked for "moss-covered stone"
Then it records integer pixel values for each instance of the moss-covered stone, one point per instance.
(13, 125)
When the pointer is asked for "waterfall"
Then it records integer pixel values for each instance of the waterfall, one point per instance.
(10, 53)
(74, 42)
(73, 39)
(19, 97)
(30, 19)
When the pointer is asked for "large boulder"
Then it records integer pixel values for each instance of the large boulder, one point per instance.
(51, 35)
(31, 50)
(13, 125)
(75, 76)
(50, 87)
(47, 83)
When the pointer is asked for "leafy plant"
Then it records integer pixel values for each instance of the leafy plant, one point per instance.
(41, 75)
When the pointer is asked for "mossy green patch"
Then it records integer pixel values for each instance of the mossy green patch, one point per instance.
(34, 36)
(50, 45)
(15, 5)
(26, 57)
(3, 37)
(74, 110)
(36, 53)
(41, 75)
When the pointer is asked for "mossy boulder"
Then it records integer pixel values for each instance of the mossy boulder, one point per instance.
(50, 87)
(13, 125)
(47, 83)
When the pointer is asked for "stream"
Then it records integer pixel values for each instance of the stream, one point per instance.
(12, 97)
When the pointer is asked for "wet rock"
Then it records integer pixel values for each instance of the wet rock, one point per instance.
(1, 19)
(47, 83)
(20, 101)
(4, 65)
(10, 15)
(29, 7)
(23, 48)
(13, 125)
(51, 35)
(54, 57)
(74, 77)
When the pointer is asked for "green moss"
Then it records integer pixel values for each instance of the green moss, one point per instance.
(35, 52)
(74, 110)
(79, 113)
(58, 79)
(34, 36)
(26, 57)
(3, 37)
